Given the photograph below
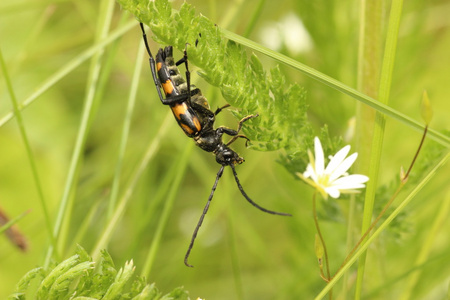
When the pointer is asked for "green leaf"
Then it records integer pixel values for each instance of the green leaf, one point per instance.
(60, 269)
(61, 285)
(242, 80)
(25, 281)
(124, 274)
(74, 277)
(177, 294)
(148, 292)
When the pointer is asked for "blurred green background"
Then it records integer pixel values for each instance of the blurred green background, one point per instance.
(240, 252)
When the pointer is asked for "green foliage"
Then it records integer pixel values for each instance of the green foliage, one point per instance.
(282, 121)
(402, 226)
(78, 277)
(158, 188)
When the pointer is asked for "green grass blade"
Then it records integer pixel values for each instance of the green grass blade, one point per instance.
(12, 221)
(69, 67)
(125, 130)
(378, 134)
(177, 174)
(369, 68)
(65, 203)
(425, 250)
(383, 226)
(29, 151)
(337, 85)
(119, 210)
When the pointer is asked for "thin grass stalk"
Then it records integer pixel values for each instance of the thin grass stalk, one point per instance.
(87, 115)
(378, 134)
(369, 50)
(339, 86)
(106, 235)
(349, 242)
(383, 226)
(70, 67)
(369, 68)
(157, 199)
(256, 13)
(231, 15)
(29, 151)
(254, 240)
(227, 191)
(234, 256)
(424, 253)
(125, 130)
(177, 175)
(30, 41)
(84, 227)
(322, 241)
(11, 222)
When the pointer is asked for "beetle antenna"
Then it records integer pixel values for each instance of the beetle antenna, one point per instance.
(144, 36)
(199, 224)
(250, 200)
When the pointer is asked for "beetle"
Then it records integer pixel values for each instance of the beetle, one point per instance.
(193, 114)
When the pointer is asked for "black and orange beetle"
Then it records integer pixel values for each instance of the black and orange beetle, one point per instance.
(192, 112)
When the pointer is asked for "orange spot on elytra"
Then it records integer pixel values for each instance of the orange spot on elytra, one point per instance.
(197, 124)
(182, 109)
(186, 128)
(167, 87)
(179, 109)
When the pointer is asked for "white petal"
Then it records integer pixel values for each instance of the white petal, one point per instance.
(337, 159)
(350, 192)
(350, 182)
(359, 178)
(310, 172)
(320, 160)
(346, 188)
(305, 179)
(356, 178)
(333, 192)
(344, 166)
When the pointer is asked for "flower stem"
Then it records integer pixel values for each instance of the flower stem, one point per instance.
(403, 181)
(327, 264)
(417, 153)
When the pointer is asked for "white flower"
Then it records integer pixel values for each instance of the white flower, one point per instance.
(334, 179)
(289, 32)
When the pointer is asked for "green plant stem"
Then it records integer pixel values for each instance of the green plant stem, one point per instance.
(380, 119)
(69, 67)
(234, 254)
(29, 151)
(125, 130)
(382, 227)
(65, 203)
(349, 241)
(36, 30)
(339, 86)
(120, 208)
(405, 178)
(325, 252)
(374, 223)
(12, 221)
(369, 68)
(181, 164)
(425, 250)
(256, 12)
(388, 204)
(231, 15)
(369, 57)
